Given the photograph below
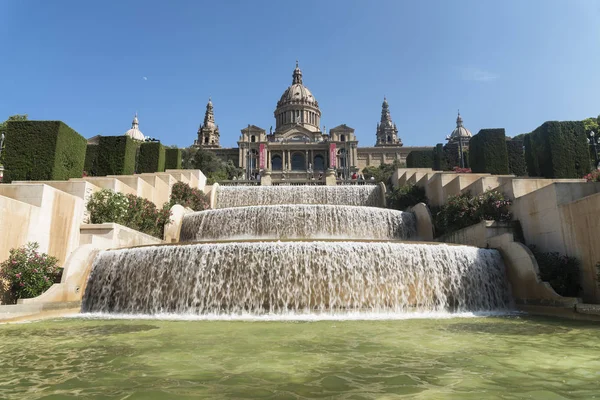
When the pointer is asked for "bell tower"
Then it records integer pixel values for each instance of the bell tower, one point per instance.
(208, 133)
(387, 133)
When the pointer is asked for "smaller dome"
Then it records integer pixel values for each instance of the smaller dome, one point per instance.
(135, 132)
(460, 131)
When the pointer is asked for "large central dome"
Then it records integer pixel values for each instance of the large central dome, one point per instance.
(297, 106)
(297, 93)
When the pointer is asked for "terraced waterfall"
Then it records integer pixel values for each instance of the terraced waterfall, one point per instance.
(297, 249)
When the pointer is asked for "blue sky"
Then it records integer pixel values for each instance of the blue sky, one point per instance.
(511, 64)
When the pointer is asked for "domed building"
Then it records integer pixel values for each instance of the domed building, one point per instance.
(458, 143)
(299, 148)
(460, 132)
(135, 132)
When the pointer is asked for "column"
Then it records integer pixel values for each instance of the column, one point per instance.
(283, 160)
(306, 160)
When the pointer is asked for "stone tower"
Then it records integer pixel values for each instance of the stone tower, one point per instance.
(208, 133)
(387, 133)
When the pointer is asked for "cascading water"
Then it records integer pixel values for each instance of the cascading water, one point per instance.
(280, 277)
(298, 222)
(358, 195)
(341, 258)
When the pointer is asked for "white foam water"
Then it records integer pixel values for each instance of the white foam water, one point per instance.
(266, 278)
(357, 195)
(299, 222)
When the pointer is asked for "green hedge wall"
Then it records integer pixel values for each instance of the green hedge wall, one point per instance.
(488, 152)
(558, 150)
(151, 157)
(440, 161)
(516, 157)
(116, 155)
(173, 158)
(91, 160)
(42, 150)
(420, 159)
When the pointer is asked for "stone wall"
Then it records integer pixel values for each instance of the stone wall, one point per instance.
(51, 212)
(580, 221)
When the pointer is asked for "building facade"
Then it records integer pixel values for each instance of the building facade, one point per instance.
(298, 147)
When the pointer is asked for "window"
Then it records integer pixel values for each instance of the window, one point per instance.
(389, 139)
(298, 162)
(276, 163)
(253, 138)
(343, 138)
(206, 140)
(319, 163)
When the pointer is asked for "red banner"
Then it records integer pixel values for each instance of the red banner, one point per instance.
(262, 154)
(332, 155)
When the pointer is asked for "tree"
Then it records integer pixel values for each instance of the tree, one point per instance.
(4, 125)
(382, 173)
(16, 117)
(187, 157)
(591, 124)
(207, 162)
(213, 167)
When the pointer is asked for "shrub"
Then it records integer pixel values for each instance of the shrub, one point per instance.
(90, 165)
(173, 158)
(107, 206)
(557, 150)
(459, 170)
(183, 194)
(465, 210)
(440, 161)
(516, 157)
(116, 155)
(28, 272)
(488, 152)
(593, 176)
(561, 272)
(143, 216)
(406, 196)
(42, 150)
(128, 210)
(420, 159)
(151, 157)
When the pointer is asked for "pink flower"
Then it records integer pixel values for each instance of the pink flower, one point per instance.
(18, 275)
(21, 284)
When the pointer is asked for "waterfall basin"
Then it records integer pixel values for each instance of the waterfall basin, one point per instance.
(512, 357)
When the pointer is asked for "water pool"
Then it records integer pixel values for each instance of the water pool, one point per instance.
(514, 357)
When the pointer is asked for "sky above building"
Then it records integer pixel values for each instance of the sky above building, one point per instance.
(511, 64)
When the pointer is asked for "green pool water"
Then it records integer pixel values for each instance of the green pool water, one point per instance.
(512, 357)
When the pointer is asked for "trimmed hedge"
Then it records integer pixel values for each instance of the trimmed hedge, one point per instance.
(558, 150)
(516, 157)
(116, 155)
(420, 159)
(488, 152)
(91, 160)
(440, 161)
(173, 158)
(151, 157)
(42, 150)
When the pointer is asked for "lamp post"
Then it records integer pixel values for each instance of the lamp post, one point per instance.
(1, 142)
(593, 141)
(461, 161)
